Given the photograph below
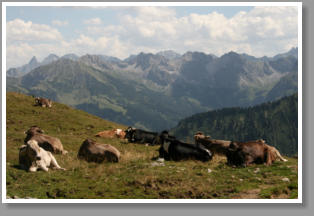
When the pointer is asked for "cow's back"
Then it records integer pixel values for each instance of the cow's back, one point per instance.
(49, 143)
(99, 152)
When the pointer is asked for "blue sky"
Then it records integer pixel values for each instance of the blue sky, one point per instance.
(122, 31)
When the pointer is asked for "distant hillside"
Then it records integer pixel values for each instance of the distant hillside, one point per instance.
(155, 91)
(276, 122)
(109, 95)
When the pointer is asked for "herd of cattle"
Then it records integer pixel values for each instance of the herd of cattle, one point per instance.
(36, 153)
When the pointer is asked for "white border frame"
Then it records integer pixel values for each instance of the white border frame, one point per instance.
(86, 4)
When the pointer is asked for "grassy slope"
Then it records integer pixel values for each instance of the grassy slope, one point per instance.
(134, 176)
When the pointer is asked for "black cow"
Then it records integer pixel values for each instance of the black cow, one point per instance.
(173, 149)
(140, 136)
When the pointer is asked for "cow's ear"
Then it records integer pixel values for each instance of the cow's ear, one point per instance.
(23, 146)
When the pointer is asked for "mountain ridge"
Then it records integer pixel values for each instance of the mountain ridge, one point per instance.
(164, 90)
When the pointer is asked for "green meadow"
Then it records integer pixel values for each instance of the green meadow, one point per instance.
(138, 175)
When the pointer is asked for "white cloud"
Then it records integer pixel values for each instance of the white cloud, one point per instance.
(93, 21)
(19, 30)
(261, 31)
(59, 23)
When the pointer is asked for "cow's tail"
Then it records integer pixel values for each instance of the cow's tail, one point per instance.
(278, 155)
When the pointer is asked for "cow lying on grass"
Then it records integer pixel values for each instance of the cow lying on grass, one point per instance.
(173, 149)
(96, 152)
(140, 136)
(116, 133)
(240, 153)
(246, 153)
(43, 102)
(48, 143)
(219, 147)
(32, 157)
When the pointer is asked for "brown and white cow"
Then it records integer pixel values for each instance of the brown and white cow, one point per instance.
(32, 157)
(48, 143)
(96, 152)
(115, 133)
(43, 102)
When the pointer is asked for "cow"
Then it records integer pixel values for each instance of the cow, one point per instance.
(48, 143)
(140, 136)
(120, 133)
(32, 157)
(115, 133)
(256, 151)
(219, 147)
(43, 102)
(234, 155)
(173, 149)
(96, 152)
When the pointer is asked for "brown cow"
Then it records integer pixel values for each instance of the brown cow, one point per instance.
(48, 143)
(115, 133)
(96, 152)
(43, 102)
(215, 146)
(246, 153)
(254, 151)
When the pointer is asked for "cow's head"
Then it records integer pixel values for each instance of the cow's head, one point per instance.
(88, 142)
(233, 146)
(84, 147)
(129, 133)
(33, 150)
(199, 136)
(34, 130)
(163, 137)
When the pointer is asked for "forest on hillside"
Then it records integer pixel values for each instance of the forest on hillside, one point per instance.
(276, 122)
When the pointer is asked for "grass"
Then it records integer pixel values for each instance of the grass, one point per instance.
(134, 177)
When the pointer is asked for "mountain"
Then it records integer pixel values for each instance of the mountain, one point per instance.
(231, 80)
(169, 54)
(20, 71)
(276, 122)
(71, 56)
(292, 52)
(33, 63)
(154, 92)
(107, 94)
(50, 58)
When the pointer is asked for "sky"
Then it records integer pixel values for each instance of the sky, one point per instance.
(122, 31)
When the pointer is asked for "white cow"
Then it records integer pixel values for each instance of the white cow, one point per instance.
(33, 157)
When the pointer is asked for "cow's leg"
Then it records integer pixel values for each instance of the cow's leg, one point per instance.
(22, 166)
(269, 157)
(248, 160)
(54, 164)
(33, 169)
(44, 168)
